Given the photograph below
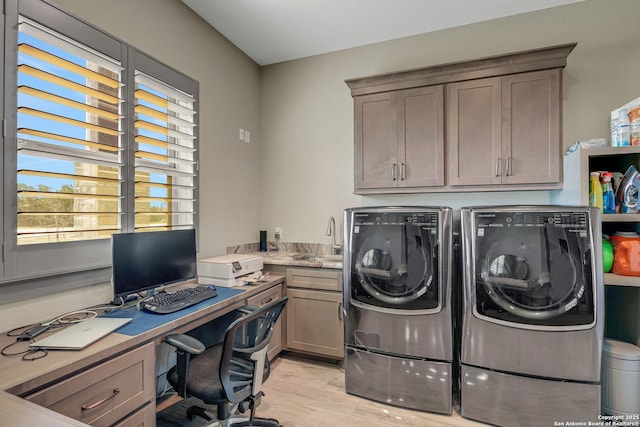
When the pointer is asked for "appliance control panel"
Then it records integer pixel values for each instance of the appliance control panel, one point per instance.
(573, 220)
(419, 219)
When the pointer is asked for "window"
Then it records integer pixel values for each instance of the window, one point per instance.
(68, 139)
(164, 151)
(101, 139)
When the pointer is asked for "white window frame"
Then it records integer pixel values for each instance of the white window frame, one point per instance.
(75, 263)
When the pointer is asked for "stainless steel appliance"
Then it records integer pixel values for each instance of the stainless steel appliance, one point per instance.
(397, 298)
(533, 314)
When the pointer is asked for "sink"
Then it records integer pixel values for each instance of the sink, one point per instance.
(306, 257)
(317, 258)
(331, 258)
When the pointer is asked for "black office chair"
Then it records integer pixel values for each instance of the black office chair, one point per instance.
(228, 374)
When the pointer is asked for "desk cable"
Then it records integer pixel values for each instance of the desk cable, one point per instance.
(30, 332)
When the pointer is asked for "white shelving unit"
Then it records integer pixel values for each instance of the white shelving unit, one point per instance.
(611, 279)
(621, 218)
(576, 169)
(622, 293)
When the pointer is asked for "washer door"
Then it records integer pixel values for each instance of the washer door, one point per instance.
(395, 266)
(536, 275)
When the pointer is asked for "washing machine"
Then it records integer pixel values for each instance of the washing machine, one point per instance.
(397, 300)
(533, 315)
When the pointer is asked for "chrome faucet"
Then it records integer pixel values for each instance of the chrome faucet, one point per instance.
(331, 231)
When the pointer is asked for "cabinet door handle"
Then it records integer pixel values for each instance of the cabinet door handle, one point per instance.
(393, 171)
(100, 402)
(498, 161)
(507, 167)
(340, 312)
(403, 168)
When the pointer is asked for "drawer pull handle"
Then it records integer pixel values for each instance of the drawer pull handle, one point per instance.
(101, 402)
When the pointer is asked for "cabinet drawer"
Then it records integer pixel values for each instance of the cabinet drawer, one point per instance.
(266, 297)
(262, 299)
(105, 393)
(323, 279)
(145, 417)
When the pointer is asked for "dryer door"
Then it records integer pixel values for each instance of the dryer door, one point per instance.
(394, 261)
(534, 268)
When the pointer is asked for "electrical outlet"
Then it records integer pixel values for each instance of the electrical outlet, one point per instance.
(241, 134)
(278, 233)
(247, 136)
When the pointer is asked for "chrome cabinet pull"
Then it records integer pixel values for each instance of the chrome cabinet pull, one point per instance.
(100, 402)
(340, 312)
(498, 161)
(403, 168)
(393, 171)
(508, 166)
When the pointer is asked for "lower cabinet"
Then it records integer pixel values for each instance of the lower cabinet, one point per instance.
(262, 299)
(120, 391)
(144, 417)
(314, 311)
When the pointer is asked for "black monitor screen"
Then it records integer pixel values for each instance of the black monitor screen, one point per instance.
(147, 260)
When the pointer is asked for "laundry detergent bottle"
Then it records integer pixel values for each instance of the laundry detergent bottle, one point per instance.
(595, 190)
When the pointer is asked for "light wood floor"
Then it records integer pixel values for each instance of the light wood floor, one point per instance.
(302, 393)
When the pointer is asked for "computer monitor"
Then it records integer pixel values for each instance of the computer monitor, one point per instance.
(146, 260)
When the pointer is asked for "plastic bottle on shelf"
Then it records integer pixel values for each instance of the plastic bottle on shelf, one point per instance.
(624, 131)
(595, 190)
(634, 125)
(607, 255)
(608, 197)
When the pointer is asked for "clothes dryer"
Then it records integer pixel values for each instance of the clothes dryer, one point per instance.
(397, 298)
(533, 315)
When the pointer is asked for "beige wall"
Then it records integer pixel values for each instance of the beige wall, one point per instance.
(307, 112)
(298, 168)
(229, 91)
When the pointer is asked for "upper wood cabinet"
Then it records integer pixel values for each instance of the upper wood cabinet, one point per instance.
(502, 117)
(399, 138)
(531, 136)
(474, 141)
(505, 130)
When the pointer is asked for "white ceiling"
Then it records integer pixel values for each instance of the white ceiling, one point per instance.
(271, 31)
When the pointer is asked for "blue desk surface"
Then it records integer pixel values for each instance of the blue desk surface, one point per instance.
(144, 320)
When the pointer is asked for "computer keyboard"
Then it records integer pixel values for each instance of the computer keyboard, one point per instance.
(163, 302)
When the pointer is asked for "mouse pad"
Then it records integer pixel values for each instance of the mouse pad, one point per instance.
(144, 321)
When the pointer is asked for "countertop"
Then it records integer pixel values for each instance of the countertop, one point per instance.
(301, 259)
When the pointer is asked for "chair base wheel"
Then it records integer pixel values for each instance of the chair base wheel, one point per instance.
(196, 411)
(235, 422)
(258, 422)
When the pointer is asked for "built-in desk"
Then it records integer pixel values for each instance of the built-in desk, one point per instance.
(20, 379)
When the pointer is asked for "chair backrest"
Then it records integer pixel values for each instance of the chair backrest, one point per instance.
(244, 351)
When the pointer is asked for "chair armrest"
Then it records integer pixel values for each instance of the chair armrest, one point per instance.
(185, 347)
(248, 309)
(185, 343)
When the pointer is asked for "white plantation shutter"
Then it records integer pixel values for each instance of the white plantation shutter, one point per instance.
(99, 138)
(69, 139)
(165, 160)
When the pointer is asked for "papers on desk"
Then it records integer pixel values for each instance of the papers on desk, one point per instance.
(255, 277)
